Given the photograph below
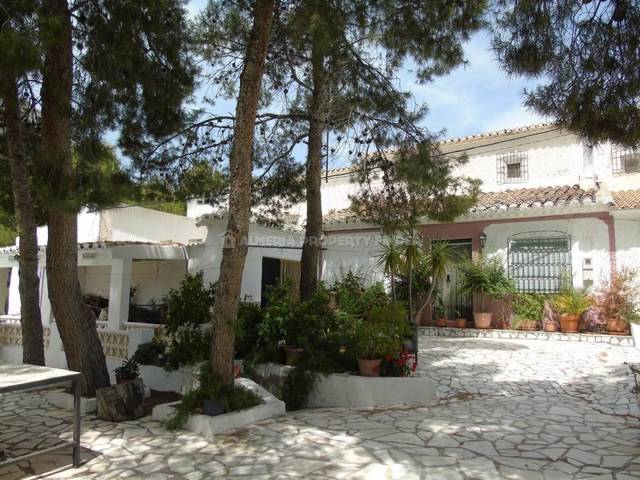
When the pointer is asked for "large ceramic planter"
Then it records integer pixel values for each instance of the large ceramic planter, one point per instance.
(616, 326)
(369, 368)
(461, 323)
(482, 319)
(550, 327)
(294, 354)
(569, 323)
(441, 322)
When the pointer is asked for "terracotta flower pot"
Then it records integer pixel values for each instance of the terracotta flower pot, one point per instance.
(569, 323)
(441, 322)
(369, 368)
(461, 323)
(528, 325)
(482, 319)
(294, 354)
(615, 326)
(550, 327)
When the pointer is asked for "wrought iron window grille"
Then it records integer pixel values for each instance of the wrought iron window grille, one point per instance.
(513, 167)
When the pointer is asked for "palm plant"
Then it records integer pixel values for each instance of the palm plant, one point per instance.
(438, 258)
(391, 259)
(411, 252)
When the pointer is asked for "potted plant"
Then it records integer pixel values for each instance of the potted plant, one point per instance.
(615, 299)
(485, 278)
(461, 322)
(528, 309)
(440, 312)
(571, 304)
(127, 371)
(381, 333)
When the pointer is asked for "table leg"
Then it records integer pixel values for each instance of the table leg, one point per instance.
(76, 423)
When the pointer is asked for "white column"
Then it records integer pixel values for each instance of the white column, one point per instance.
(45, 303)
(119, 292)
(14, 292)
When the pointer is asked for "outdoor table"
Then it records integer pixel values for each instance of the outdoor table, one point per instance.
(20, 377)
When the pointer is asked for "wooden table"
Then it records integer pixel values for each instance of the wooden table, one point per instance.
(20, 377)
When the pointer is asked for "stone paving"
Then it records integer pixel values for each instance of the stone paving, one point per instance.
(508, 409)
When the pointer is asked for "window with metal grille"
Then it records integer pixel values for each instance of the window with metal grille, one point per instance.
(625, 160)
(512, 167)
(539, 261)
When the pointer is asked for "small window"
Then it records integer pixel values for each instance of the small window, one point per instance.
(625, 160)
(512, 167)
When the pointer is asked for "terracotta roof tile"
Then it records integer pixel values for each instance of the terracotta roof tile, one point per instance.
(626, 199)
(506, 200)
(534, 197)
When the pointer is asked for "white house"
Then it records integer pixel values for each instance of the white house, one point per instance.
(549, 204)
(128, 259)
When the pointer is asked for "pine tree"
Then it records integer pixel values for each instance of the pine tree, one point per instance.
(353, 51)
(585, 55)
(225, 308)
(120, 64)
(19, 56)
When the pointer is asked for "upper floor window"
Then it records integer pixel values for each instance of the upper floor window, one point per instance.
(625, 160)
(512, 167)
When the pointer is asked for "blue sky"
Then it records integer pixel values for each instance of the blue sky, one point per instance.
(474, 98)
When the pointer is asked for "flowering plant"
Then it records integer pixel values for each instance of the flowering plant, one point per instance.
(402, 364)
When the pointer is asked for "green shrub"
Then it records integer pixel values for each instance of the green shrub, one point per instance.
(250, 318)
(572, 302)
(188, 320)
(486, 277)
(352, 296)
(382, 333)
(297, 387)
(232, 397)
(151, 353)
(128, 370)
(529, 306)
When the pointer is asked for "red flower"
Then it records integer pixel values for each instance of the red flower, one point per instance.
(413, 367)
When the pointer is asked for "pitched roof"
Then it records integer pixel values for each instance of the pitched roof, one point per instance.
(625, 199)
(336, 172)
(534, 197)
(521, 198)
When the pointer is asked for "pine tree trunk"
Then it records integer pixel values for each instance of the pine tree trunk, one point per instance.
(77, 328)
(225, 308)
(313, 231)
(29, 283)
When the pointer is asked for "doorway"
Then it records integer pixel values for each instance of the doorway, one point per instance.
(457, 304)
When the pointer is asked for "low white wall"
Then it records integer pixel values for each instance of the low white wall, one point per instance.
(210, 426)
(345, 390)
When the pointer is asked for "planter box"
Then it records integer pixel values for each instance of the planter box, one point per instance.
(344, 390)
(64, 400)
(210, 426)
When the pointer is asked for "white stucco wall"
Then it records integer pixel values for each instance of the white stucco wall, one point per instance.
(154, 278)
(95, 279)
(352, 252)
(263, 242)
(589, 239)
(628, 240)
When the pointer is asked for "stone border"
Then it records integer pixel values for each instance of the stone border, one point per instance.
(210, 426)
(618, 340)
(345, 390)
